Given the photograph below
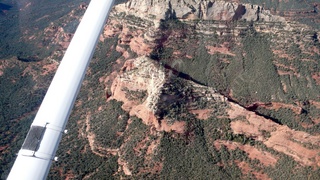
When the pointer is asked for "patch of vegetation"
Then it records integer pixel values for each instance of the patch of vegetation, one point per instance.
(219, 128)
(174, 98)
(190, 158)
(17, 23)
(259, 80)
(300, 65)
(107, 170)
(12, 136)
(292, 120)
(286, 167)
(19, 99)
(138, 95)
(107, 123)
(18, 94)
(136, 133)
(219, 108)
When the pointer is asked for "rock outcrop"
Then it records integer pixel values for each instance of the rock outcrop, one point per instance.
(198, 9)
(147, 91)
(139, 87)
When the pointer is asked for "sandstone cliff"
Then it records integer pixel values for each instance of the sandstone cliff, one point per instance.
(198, 9)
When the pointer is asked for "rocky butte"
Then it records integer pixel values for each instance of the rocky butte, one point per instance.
(194, 89)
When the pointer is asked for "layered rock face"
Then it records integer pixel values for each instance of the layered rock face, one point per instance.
(199, 9)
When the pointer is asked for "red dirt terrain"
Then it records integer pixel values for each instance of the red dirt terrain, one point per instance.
(266, 158)
(223, 50)
(303, 147)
